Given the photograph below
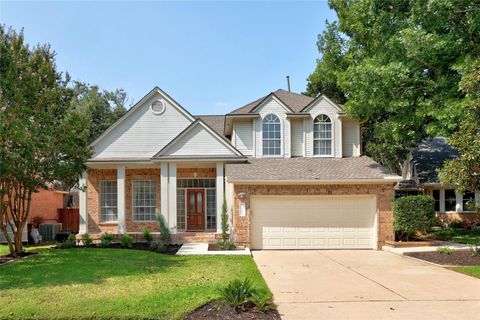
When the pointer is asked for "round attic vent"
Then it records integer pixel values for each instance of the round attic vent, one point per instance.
(158, 107)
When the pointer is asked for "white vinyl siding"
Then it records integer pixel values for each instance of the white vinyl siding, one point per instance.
(243, 137)
(142, 133)
(108, 201)
(351, 137)
(297, 138)
(199, 141)
(272, 106)
(144, 200)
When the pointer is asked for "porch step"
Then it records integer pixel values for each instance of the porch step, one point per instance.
(194, 237)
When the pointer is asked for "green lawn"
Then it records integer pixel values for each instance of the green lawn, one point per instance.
(115, 283)
(473, 271)
(457, 235)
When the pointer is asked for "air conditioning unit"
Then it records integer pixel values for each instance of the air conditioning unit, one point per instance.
(10, 233)
(48, 231)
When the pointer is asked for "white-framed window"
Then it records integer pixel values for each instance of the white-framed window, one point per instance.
(144, 200)
(271, 135)
(322, 136)
(108, 201)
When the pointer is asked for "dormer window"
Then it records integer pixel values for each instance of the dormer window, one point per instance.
(322, 136)
(271, 135)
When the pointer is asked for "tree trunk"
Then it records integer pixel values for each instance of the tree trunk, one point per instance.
(18, 238)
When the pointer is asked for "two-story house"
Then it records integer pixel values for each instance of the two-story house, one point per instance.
(288, 166)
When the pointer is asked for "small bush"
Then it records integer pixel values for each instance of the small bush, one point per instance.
(87, 240)
(126, 241)
(445, 250)
(262, 300)
(106, 240)
(147, 235)
(157, 247)
(237, 292)
(226, 245)
(475, 250)
(413, 214)
(164, 231)
(455, 224)
(70, 242)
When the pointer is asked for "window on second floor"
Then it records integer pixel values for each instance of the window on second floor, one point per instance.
(322, 136)
(271, 135)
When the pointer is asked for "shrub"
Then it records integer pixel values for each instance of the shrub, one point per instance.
(147, 235)
(70, 242)
(455, 224)
(262, 300)
(445, 250)
(126, 241)
(226, 245)
(87, 240)
(224, 223)
(106, 240)
(157, 247)
(237, 292)
(412, 214)
(164, 231)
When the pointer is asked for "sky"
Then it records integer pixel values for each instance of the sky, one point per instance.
(212, 57)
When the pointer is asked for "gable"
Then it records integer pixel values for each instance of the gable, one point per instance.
(198, 141)
(323, 102)
(272, 103)
(140, 133)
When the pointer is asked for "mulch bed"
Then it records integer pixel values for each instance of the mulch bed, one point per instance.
(8, 258)
(215, 247)
(170, 249)
(217, 310)
(457, 258)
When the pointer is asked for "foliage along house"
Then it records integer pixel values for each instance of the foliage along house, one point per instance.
(420, 177)
(289, 167)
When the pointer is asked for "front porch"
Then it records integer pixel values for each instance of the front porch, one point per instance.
(125, 198)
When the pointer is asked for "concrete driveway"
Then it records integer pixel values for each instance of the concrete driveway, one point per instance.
(357, 284)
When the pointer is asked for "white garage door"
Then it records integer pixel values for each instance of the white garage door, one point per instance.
(313, 222)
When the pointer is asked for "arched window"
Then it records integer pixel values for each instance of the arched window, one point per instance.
(322, 136)
(271, 135)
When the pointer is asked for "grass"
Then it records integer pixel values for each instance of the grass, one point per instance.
(456, 235)
(473, 271)
(116, 283)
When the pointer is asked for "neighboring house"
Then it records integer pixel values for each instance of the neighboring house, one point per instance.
(421, 178)
(288, 166)
(44, 205)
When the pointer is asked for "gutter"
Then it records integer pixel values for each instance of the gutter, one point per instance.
(388, 180)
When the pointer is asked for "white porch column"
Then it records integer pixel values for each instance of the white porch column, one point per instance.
(442, 200)
(459, 202)
(220, 194)
(172, 197)
(121, 199)
(164, 190)
(82, 198)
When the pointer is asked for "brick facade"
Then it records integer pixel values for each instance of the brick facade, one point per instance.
(383, 193)
(93, 201)
(44, 205)
(200, 173)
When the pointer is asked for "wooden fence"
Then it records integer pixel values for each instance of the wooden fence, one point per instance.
(69, 218)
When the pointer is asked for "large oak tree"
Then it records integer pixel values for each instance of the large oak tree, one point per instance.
(397, 65)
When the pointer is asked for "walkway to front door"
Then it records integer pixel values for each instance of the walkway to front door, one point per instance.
(195, 209)
(365, 284)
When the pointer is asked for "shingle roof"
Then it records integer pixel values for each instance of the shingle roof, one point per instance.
(430, 156)
(216, 122)
(294, 101)
(283, 169)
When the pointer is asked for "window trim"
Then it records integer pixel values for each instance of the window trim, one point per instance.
(281, 137)
(133, 200)
(332, 139)
(100, 221)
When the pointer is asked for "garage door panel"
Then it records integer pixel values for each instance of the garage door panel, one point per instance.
(312, 222)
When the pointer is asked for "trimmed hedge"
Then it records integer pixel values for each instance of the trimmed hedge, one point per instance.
(413, 214)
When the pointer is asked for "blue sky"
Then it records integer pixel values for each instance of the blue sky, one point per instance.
(212, 57)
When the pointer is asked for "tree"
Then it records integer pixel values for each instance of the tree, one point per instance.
(398, 63)
(102, 108)
(464, 173)
(42, 138)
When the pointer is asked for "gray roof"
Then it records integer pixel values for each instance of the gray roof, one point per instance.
(216, 122)
(294, 101)
(430, 156)
(284, 169)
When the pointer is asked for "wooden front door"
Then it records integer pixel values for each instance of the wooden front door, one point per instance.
(195, 209)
